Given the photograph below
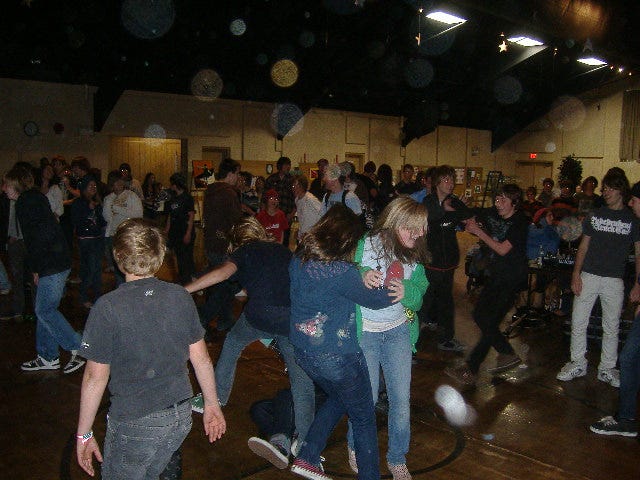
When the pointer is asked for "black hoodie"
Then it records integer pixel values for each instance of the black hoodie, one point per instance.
(441, 236)
(47, 250)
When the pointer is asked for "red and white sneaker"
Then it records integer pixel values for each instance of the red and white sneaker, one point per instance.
(307, 470)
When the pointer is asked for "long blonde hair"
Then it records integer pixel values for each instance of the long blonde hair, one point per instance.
(406, 213)
(245, 230)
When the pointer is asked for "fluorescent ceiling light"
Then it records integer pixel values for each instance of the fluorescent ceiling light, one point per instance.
(525, 41)
(445, 18)
(592, 61)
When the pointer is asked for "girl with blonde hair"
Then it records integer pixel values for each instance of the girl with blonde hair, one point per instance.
(326, 286)
(393, 249)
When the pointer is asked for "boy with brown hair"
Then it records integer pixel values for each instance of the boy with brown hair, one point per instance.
(150, 413)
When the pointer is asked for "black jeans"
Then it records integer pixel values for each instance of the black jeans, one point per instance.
(219, 298)
(184, 258)
(438, 306)
(496, 298)
(20, 275)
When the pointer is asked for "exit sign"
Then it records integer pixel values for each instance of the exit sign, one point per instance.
(533, 156)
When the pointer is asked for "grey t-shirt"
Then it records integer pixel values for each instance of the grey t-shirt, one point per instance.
(611, 232)
(143, 330)
(350, 200)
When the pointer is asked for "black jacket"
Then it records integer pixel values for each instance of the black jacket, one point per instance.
(47, 250)
(441, 237)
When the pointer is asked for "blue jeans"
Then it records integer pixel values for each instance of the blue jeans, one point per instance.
(52, 329)
(140, 449)
(91, 252)
(391, 350)
(630, 373)
(345, 380)
(302, 389)
(5, 284)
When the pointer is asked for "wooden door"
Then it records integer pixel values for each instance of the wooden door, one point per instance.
(160, 156)
(532, 173)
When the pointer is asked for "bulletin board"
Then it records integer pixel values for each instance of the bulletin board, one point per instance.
(469, 183)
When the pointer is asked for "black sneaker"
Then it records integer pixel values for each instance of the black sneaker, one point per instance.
(274, 454)
(610, 426)
(74, 363)
(452, 345)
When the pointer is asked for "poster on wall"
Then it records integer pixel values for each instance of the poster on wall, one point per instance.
(202, 173)
(459, 176)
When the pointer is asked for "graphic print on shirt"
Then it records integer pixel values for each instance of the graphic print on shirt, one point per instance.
(607, 225)
(498, 227)
(313, 327)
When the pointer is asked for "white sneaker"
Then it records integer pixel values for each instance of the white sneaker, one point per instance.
(353, 464)
(610, 376)
(571, 370)
(399, 472)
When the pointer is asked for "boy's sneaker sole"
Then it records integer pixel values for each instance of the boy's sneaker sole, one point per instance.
(601, 431)
(302, 468)
(269, 452)
(506, 366)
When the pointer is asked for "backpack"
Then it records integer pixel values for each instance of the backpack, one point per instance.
(366, 220)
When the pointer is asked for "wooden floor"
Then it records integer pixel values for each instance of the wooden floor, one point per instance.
(529, 425)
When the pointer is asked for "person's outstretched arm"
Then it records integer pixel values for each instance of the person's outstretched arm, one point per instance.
(212, 417)
(217, 275)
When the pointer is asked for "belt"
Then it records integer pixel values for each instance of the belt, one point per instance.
(181, 402)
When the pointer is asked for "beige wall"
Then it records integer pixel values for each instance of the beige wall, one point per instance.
(588, 127)
(47, 104)
(245, 128)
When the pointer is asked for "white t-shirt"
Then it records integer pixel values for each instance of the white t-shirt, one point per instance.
(308, 211)
(119, 208)
(393, 315)
(54, 195)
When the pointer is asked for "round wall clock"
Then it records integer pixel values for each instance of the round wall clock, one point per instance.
(31, 128)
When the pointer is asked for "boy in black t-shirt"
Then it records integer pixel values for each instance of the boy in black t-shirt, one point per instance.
(507, 238)
(608, 233)
(138, 338)
(180, 229)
